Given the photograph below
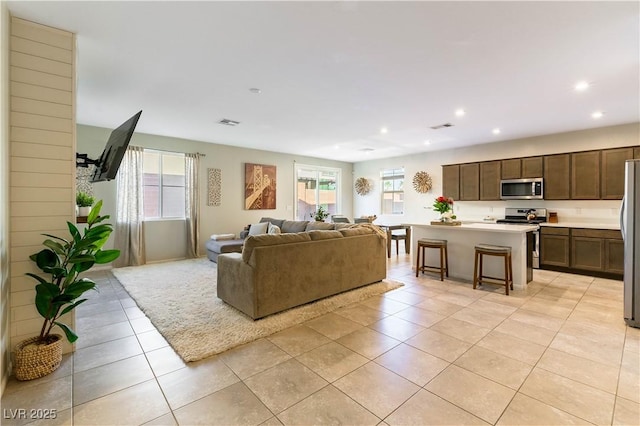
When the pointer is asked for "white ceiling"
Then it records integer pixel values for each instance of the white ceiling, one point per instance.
(332, 74)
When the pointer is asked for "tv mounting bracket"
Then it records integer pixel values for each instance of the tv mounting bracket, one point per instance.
(83, 160)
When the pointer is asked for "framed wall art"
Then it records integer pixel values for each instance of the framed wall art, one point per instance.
(259, 187)
(214, 187)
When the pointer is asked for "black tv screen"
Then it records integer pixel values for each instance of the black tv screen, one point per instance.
(111, 157)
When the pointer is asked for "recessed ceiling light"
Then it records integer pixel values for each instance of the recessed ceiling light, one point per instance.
(255, 90)
(384, 130)
(427, 142)
(496, 131)
(459, 112)
(581, 86)
(597, 114)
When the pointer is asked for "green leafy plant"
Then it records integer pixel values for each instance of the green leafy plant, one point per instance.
(62, 261)
(320, 215)
(84, 200)
(443, 204)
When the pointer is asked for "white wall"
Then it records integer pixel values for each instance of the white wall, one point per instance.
(42, 159)
(4, 198)
(164, 239)
(431, 162)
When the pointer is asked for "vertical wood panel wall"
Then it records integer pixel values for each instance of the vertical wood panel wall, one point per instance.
(41, 156)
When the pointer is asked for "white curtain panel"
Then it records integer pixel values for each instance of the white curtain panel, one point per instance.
(129, 236)
(192, 200)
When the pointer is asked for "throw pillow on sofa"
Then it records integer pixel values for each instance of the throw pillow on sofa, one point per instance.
(258, 228)
(273, 229)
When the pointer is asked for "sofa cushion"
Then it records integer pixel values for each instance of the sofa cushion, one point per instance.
(258, 228)
(222, 237)
(355, 231)
(324, 235)
(276, 222)
(339, 226)
(254, 241)
(290, 226)
(273, 229)
(313, 226)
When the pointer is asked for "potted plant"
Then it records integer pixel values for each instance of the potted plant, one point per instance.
(444, 206)
(59, 290)
(319, 215)
(84, 202)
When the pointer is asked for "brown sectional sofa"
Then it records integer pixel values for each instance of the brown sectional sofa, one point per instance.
(277, 272)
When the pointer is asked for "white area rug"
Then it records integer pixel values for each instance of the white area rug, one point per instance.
(180, 300)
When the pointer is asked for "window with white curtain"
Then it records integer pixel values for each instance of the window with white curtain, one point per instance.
(163, 184)
(392, 191)
(316, 186)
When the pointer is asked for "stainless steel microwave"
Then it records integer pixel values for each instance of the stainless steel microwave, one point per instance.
(521, 189)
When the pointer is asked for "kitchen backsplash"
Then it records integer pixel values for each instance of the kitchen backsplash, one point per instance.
(597, 211)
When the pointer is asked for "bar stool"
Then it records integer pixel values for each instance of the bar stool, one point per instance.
(441, 245)
(491, 250)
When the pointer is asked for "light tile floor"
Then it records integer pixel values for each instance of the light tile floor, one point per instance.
(430, 352)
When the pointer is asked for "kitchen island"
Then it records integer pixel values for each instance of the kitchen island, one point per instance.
(462, 240)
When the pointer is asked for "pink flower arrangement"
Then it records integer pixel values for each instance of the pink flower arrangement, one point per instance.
(443, 204)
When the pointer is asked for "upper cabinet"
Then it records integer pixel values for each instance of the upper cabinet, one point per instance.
(557, 177)
(532, 167)
(490, 180)
(521, 168)
(451, 181)
(585, 175)
(612, 182)
(470, 182)
(511, 169)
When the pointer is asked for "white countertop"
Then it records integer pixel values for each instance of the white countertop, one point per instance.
(486, 227)
(585, 225)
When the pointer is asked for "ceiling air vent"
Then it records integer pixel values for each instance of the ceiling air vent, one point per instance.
(228, 122)
(442, 126)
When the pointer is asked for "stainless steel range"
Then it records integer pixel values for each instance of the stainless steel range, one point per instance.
(527, 216)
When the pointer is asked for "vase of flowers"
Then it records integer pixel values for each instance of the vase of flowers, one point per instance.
(444, 206)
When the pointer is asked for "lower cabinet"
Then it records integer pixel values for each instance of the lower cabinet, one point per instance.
(582, 250)
(554, 247)
(614, 256)
(587, 253)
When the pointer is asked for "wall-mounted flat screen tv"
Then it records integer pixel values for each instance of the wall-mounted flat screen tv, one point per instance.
(109, 162)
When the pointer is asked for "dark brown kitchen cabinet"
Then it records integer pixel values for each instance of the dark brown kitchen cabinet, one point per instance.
(511, 169)
(554, 246)
(600, 250)
(585, 175)
(587, 253)
(470, 182)
(557, 177)
(614, 256)
(612, 178)
(522, 168)
(531, 167)
(490, 180)
(451, 181)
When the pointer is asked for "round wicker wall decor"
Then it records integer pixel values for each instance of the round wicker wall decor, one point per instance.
(363, 186)
(422, 182)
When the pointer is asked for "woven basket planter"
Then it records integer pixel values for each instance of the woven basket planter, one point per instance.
(35, 361)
